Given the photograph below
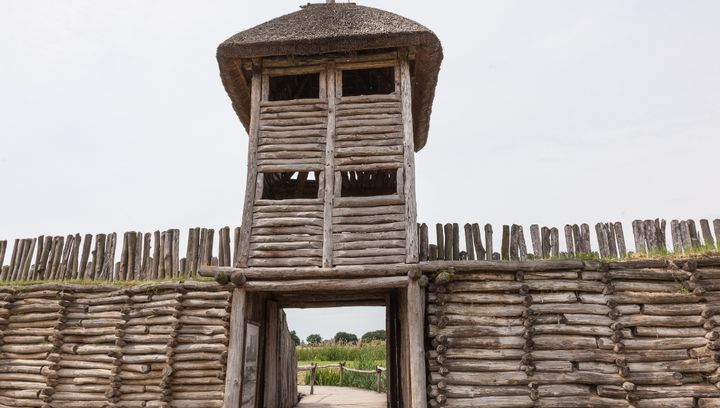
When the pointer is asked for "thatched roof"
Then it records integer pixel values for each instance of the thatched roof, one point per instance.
(327, 28)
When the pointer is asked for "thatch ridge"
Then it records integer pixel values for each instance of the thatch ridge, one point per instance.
(327, 28)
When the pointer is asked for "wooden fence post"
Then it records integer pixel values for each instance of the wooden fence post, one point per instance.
(377, 379)
(313, 370)
(342, 372)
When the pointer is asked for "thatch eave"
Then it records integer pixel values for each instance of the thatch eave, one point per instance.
(324, 29)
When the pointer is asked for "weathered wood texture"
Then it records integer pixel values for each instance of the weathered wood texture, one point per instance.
(621, 334)
(94, 346)
(575, 241)
(290, 235)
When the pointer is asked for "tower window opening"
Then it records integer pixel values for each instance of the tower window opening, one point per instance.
(373, 81)
(288, 185)
(368, 183)
(288, 87)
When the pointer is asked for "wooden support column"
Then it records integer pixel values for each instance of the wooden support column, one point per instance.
(411, 240)
(329, 193)
(416, 344)
(236, 347)
(252, 165)
(272, 355)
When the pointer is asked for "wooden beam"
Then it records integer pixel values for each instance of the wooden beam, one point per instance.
(251, 167)
(271, 390)
(329, 173)
(326, 304)
(416, 343)
(411, 243)
(233, 379)
(303, 272)
(327, 284)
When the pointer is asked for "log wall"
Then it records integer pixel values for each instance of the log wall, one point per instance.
(98, 346)
(575, 334)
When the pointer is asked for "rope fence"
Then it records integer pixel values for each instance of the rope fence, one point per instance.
(378, 371)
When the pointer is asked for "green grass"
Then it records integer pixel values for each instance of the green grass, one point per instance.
(692, 253)
(342, 352)
(364, 356)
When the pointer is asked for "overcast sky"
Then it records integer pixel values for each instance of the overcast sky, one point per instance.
(113, 117)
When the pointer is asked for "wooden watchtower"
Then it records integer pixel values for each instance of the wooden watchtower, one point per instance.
(336, 99)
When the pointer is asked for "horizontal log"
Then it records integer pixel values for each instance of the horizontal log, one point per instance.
(327, 284)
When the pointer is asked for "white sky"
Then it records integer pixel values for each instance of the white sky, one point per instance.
(327, 322)
(113, 117)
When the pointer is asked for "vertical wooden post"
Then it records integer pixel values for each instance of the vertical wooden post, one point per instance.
(236, 246)
(175, 250)
(514, 245)
(706, 234)
(585, 234)
(456, 241)
(489, 241)
(272, 352)
(329, 173)
(87, 245)
(377, 379)
(342, 373)
(505, 243)
(610, 228)
(411, 244)
(251, 164)
(522, 246)
(145, 267)
(313, 370)
(3, 248)
(416, 343)
(440, 241)
(535, 239)
(236, 348)
(570, 248)
(477, 241)
(448, 242)
(620, 239)
(423, 253)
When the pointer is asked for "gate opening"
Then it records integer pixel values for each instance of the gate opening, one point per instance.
(298, 347)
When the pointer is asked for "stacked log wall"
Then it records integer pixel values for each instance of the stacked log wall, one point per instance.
(575, 334)
(157, 345)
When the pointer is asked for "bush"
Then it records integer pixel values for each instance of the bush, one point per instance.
(343, 337)
(314, 339)
(295, 338)
(374, 335)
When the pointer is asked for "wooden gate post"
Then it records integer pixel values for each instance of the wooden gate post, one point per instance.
(416, 349)
(233, 379)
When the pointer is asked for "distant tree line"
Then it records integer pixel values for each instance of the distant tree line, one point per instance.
(341, 337)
